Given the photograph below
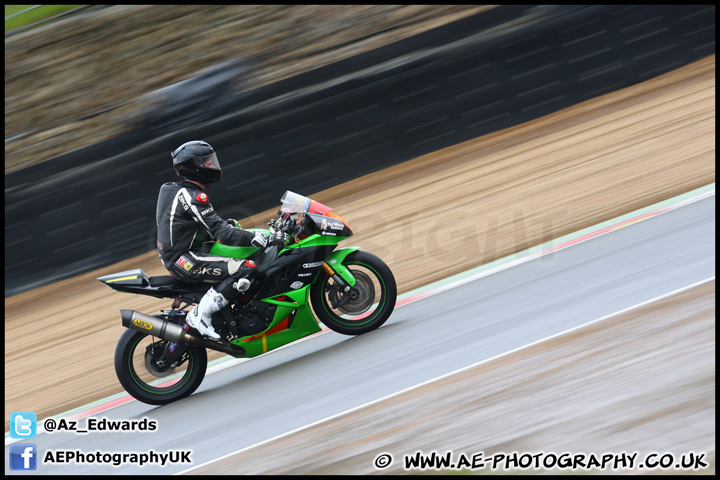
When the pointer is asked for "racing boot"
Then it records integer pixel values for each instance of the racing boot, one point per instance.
(200, 318)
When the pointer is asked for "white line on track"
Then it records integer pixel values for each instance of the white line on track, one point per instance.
(400, 392)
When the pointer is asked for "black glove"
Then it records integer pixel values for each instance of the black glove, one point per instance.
(277, 238)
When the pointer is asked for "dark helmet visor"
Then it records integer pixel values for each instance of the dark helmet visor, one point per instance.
(210, 162)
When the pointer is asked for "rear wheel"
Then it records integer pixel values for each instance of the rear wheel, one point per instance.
(366, 306)
(137, 368)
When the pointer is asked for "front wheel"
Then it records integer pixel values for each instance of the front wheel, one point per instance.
(136, 364)
(366, 306)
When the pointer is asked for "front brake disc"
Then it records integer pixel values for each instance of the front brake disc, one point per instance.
(360, 297)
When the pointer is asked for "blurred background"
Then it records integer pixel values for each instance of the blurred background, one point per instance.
(93, 64)
(300, 98)
(453, 135)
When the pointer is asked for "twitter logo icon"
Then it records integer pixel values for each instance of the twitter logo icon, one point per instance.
(23, 425)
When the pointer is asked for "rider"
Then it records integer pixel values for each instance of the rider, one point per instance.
(184, 216)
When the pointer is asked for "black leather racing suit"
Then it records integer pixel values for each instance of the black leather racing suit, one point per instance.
(184, 215)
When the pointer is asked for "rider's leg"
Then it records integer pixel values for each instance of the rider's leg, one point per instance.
(208, 268)
(200, 317)
(239, 281)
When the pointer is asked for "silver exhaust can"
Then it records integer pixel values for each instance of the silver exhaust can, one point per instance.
(153, 326)
(172, 332)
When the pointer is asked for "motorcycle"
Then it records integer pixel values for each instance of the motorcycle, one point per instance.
(161, 359)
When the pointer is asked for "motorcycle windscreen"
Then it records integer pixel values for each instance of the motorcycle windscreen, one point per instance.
(294, 202)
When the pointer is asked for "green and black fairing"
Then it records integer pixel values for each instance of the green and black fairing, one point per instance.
(293, 269)
(277, 311)
(333, 227)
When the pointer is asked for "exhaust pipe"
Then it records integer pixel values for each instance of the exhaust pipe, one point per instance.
(173, 332)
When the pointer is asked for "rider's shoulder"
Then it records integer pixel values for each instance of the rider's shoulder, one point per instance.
(188, 190)
(196, 193)
(171, 186)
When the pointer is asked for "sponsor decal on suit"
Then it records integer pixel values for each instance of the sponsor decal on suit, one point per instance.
(207, 271)
(185, 264)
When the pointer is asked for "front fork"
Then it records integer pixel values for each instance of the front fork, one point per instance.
(342, 284)
(340, 288)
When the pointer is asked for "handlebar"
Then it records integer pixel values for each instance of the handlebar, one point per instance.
(284, 224)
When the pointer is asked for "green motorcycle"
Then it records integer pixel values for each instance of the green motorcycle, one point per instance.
(161, 359)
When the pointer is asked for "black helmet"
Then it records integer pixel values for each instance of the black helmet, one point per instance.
(197, 161)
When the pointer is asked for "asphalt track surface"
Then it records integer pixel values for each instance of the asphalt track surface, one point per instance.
(328, 374)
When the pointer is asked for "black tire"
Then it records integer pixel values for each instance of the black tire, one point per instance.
(134, 377)
(375, 292)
